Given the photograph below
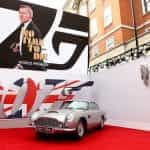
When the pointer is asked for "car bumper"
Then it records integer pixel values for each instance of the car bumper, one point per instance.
(51, 130)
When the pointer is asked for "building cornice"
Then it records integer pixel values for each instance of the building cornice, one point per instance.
(144, 24)
(116, 29)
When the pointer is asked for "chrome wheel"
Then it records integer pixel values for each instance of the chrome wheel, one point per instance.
(80, 130)
(102, 123)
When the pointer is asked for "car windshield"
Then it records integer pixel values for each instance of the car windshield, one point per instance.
(75, 105)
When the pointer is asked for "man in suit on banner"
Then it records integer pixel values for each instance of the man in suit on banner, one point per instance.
(27, 47)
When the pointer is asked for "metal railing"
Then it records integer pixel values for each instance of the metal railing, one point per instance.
(126, 56)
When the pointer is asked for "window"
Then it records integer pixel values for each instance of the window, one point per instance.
(110, 43)
(75, 105)
(76, 4)
(92, 5)
(83, 9)
(93, 27)
(95, 52)
(107, 16)
(93, 106)
(146, 6)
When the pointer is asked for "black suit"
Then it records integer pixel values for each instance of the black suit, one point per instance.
(26, 57)
(26, 54)
(10, 58)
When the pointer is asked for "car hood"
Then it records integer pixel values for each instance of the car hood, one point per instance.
(60, 114)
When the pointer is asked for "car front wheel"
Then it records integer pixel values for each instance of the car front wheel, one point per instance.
(80, 129)
(40, 134)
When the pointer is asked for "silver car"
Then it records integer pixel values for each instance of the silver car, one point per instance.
(69, 116)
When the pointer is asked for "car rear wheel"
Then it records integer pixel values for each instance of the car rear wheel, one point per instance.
(101, 124)
(80, 129)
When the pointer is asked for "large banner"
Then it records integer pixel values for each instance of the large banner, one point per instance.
(39, 38)
(25, 96)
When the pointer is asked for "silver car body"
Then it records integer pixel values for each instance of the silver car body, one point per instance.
(66, 118)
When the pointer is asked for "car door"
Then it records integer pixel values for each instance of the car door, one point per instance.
(95, 114)
(91, 115)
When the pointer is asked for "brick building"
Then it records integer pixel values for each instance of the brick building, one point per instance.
(112, 29)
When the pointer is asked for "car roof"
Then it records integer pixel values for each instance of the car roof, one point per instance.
(77, 100)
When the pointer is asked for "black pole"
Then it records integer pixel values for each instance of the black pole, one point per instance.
(135, 26)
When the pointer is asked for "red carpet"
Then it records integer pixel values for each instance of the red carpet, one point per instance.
(109, 138)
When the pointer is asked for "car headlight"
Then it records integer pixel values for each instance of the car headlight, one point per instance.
(34, 116)
(70, 117)
(60, 125)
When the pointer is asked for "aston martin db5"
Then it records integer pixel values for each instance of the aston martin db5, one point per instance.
(76, 116)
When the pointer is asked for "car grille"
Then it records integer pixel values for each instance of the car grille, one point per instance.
(48, 122)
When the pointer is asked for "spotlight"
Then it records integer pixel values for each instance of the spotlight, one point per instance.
(101, 65)
(147, 49)
(110, 62)
(134, 54)
(89, 69)
(95, 68)
(122, 57)
(127, 56)
(107, 63)
(140, 52)
(114, 61)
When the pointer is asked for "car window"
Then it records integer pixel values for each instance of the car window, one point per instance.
(75, 105)
(93, 106)
(65, 104)
(56, 105)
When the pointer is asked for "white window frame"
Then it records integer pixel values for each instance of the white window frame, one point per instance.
(110, 43)
(93, 27)
(95, 51)
(83, 10)
(107, 16)
(92, 5)
(143, 6)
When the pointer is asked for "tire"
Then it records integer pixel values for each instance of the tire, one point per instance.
(80, 130)
(40, 134)
(101, 124)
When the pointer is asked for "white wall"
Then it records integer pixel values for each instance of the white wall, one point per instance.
(14, 123)
(119, 91)
(123, 96)
(9, 76)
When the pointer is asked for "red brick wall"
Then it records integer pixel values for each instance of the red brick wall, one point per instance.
(122, 15)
